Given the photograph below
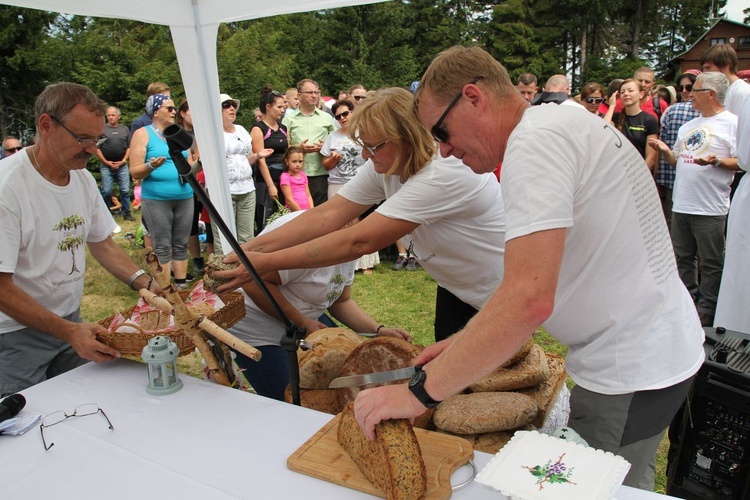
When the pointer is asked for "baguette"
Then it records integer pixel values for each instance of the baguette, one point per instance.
(392, 462)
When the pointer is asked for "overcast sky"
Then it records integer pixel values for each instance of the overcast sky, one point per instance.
(734, 9)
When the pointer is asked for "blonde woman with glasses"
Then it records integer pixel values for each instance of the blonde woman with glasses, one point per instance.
(436, 206)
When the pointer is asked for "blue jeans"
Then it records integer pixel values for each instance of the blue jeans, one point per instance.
(122, 176)
(269, 376)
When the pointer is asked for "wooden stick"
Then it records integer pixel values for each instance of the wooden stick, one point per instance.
(158, 302)
(229, 339)
(184, 319)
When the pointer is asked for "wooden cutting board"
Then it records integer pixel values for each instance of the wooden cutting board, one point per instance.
(322, 457)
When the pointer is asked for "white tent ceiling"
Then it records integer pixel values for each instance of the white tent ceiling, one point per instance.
(194, 25)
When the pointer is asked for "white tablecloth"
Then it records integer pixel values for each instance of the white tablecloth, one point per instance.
(203, 442)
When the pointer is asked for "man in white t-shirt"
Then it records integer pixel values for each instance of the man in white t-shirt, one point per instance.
(50, 207)
(734, 294)
(705, 156)
(587, 256)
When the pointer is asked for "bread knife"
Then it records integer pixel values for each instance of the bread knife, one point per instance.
(373, 378)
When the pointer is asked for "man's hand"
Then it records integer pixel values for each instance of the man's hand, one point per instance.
(433, 351)
(659, 145)
(310, 148)
(384, 403)
(82, 337)
(706, 160)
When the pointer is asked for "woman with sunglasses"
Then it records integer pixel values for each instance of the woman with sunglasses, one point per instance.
(436, 205)
(166, 201)
(685, 84)
(240, 158)
(342, 157)
(269, 133)
(592, 96)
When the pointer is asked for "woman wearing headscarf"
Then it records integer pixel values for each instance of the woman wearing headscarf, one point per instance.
(436, 206)
(167, 200)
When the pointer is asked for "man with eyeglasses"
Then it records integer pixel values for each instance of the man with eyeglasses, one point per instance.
(50, 206)
(705, 157)
(11, 146)
(587, 256)
(676, 115)
(308, 127)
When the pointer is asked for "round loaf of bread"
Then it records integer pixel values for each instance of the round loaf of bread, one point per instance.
(376, 355)
(321, 364)
(530, 371)
(520, 354)
(325, 400)
(484, 412)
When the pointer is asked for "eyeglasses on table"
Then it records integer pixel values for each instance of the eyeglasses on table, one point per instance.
(60, 416)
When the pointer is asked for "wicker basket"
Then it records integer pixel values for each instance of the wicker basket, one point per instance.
(131, 344)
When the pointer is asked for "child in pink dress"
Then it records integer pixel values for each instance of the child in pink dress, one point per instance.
(294, 181)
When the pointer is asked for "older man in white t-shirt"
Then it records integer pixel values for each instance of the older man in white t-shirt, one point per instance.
(705, 156)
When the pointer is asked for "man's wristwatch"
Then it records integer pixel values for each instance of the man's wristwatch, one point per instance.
(416, 386)
(717, 162)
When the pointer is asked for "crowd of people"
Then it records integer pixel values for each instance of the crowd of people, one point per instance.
(607, 227)
(695, 168)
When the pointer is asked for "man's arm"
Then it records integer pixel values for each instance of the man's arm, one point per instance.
(118, 263)
(25, 310)
(522, 302)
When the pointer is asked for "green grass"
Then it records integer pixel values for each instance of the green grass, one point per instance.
(404, 299)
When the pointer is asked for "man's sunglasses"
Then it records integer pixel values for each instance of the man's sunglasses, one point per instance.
(359, 97)
(14, 150)
(228, 104)
(439, 133)
(343, 115)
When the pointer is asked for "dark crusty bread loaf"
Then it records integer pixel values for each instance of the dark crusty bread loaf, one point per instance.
(325, 400)
(376, 355)
(320, 365)
(545, 393)
(490, 442)
(520, 354)
(530, 371)
(484, 412)
(392, 462)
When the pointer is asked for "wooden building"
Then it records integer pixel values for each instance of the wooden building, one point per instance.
(721, 31)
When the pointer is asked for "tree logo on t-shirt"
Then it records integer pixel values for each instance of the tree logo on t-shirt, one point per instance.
(73, 239)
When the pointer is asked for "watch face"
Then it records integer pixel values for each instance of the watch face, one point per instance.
(416, 378)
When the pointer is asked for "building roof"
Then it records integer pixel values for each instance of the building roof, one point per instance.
(715, 22)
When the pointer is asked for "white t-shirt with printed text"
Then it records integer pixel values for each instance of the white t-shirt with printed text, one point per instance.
(44, 230)
(620, 306)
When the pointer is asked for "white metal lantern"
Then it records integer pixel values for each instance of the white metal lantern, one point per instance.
(160, 354)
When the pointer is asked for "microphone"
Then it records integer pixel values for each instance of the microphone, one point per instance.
(11, 405)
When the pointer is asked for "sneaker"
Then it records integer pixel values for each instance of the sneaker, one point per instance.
(412, 265)
(706, 319)
(400, 263)
(128, 217)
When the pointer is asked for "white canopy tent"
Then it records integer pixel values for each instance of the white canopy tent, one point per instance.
(194, 25)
